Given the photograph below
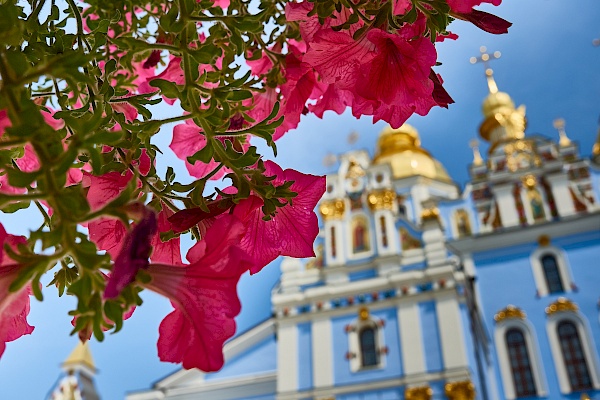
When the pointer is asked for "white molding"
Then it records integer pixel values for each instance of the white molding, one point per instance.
(532, 351)
(322, 352)
(411, 338)
(451, 333)
(506, 204)
(456, 374)
(580, 223)
(287, 357)
(538, 270)
(587, 342)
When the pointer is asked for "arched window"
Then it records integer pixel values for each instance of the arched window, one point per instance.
(551, 270)
(520, 363)
(368, 346)
(383, 228)
(573, 356)
(333, 243)
(552, 274)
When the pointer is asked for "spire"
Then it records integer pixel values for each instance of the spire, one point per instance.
(77, 383)
(559, 125)
(81, 356)
(477, 159)
(489, 73)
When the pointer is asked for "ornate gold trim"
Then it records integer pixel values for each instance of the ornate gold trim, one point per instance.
(562, 304)
(332, 209)
(509, 312)
(418, 393)
(544, 240)
(529, 181)
(381, 199)
(461, 390)
(363, 313)
(355, 170)
(432, 213)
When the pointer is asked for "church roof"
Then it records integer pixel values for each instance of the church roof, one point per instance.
(401, 149)
(81, 355)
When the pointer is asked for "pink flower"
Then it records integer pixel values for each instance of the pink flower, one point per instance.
(400, 7)
(14, 306)
(485, 21)
(133, 255)
(187, 140)
(168, 252)
(204, 296)
(404, 64)
(108, 234)
(103, 189)
(292, 231)
(465, 6)
(440, 96)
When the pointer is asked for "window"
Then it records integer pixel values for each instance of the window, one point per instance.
(518, 355)
(574, 356)
(552, 274)
(520, 364)
(550, 270)
(382, 227)
(573, 348)
(368, 347)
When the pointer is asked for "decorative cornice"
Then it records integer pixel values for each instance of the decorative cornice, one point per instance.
(432, 213)
(460, 390)
(332, 209)
(509, 312)
(418, 393)
(381, 199)
(562, 304)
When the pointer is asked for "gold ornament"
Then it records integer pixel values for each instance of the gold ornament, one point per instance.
(333, 209)
(462, 390)
(381, 199)
(562, 304)
(418, 393)
(510, 312)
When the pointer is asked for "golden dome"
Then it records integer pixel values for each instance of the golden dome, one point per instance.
(401, 149)
(494, 102)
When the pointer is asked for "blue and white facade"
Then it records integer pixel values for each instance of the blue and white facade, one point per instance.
(420, 292)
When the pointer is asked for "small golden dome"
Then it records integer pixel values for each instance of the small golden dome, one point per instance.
(494, 102)
(401, 149)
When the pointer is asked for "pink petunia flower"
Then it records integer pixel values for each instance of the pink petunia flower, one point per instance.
(465, 6)
(293, 229)
(14, 306)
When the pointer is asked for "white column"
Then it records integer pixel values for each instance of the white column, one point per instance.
(559, 184)
(506, 204)
(322, 353)
(451, 333)
(287, 358)
(411, 338)
(419, 194)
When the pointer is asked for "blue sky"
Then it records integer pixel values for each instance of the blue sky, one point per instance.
(548, 63)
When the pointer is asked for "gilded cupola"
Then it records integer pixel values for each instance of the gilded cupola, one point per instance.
(503, 121)
(401, 149)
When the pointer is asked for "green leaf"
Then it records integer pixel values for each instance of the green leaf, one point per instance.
(167, 88)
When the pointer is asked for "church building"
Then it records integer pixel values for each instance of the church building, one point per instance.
(421, 291)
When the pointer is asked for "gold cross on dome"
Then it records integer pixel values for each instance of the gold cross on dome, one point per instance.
(485, 58)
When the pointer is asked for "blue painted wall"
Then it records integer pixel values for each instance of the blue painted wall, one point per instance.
(392, 368)
(304, 356)
(505, 276)
(431, 337)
